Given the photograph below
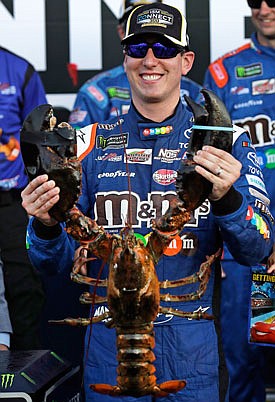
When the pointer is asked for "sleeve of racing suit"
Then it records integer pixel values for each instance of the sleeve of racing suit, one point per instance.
(51, 250)
(219, 87)
(248, 231)
(53, 255)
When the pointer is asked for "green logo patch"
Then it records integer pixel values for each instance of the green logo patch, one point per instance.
(249, 71)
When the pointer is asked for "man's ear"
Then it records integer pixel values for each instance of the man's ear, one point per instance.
(187, 61)
(120, 31)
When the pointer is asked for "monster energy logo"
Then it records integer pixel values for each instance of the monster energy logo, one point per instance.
(114, 141)
(7, 380)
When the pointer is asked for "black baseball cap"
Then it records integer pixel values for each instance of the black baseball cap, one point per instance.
(160, 19)
(128, 5)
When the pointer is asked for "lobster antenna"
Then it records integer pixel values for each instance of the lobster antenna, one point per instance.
(129, 213)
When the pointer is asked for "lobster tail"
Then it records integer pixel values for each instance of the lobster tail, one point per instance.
(212, 126)
(136, 372)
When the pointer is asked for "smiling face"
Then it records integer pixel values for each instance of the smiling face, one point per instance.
(155, 80)
(264, 22)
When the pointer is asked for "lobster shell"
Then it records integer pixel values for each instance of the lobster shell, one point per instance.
(52, 150)
(192, 188)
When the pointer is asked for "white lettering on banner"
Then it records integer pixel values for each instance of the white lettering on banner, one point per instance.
(85, 34)
(223, 16)
(25, 32)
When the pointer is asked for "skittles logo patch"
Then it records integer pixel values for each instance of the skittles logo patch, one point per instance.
(157, 131)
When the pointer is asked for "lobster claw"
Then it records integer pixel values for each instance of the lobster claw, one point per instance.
(52, 150)
(192, 188)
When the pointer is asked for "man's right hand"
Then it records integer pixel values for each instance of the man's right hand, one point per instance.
(38, 198)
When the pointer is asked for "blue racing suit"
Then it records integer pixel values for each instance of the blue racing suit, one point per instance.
(244, 80)
(185, 349)
(108, 95)
(21, 90)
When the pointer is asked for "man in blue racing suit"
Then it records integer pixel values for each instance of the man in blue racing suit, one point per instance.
(21, 90)
(154, 136)
(107, 94)
(244, 80)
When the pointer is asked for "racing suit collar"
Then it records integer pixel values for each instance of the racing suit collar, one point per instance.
(150, 130)
(260, 48)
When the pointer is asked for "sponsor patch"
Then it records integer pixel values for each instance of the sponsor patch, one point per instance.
(157, 131)
(113, 141)
(257, 220)
(119, 93)
(264, 209)
(77, 116)
(112, 157)
(259, 195)
(270, 159)
(115, 111)
(103, 126)
(164, 176)
(256, 182)
(167, 155)
(7, 184)
(114, 175)
(7, 89)
(252, 156)
(155, 17)
(124, 109)
(239, 91)
(263, 87)
(137, 155)
(251, 70)
(96, 93)
(250, 103)
(247, 144)
(219, 72)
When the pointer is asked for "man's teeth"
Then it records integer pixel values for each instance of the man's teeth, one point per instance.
(150, 77)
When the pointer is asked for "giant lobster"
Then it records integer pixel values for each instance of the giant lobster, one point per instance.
(133, 289)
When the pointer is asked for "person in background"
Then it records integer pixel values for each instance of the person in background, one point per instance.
(157, 54)
(244, 80)
(108, 94)
(5, 324)
(20, 91)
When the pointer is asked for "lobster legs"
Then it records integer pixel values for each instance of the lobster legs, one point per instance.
(202, 276)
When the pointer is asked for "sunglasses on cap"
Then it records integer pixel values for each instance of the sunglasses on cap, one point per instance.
(257, 3)
(161, 51)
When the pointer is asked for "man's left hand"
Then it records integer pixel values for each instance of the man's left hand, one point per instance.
(218, 167)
